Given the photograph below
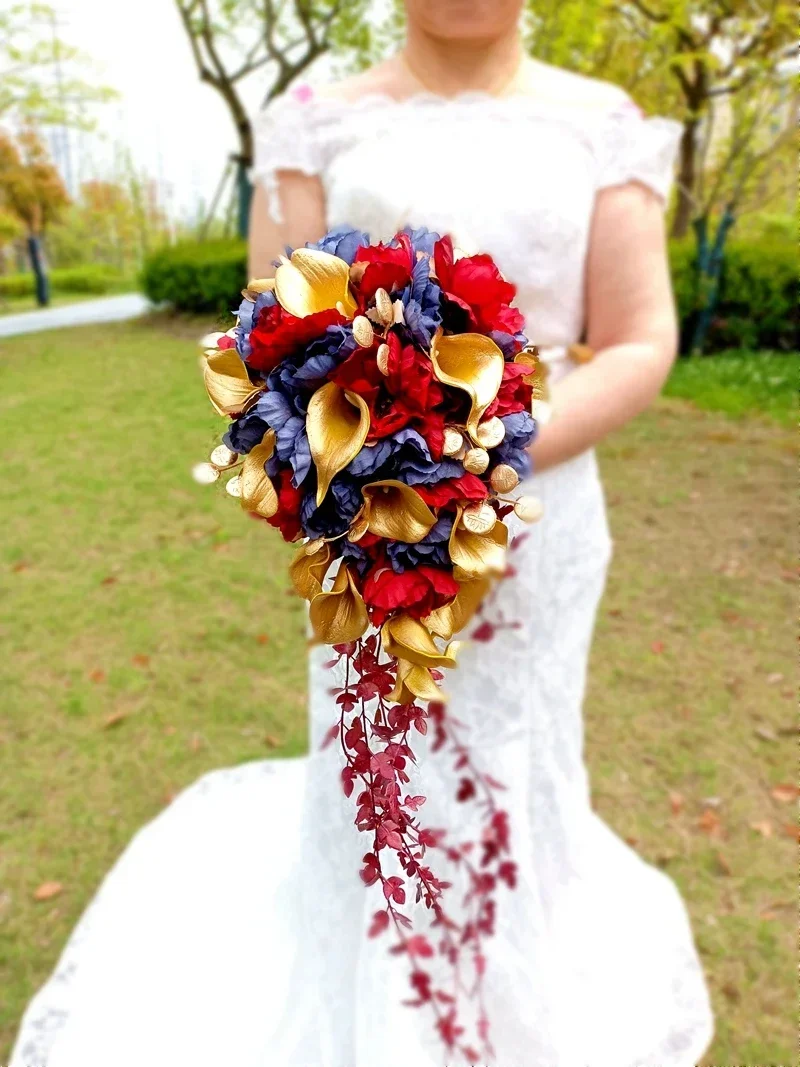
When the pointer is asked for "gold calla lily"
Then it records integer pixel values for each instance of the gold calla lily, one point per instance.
(414, 682)
(307, 569)
(471, 362)
(227, 384)
(313, 281)
(337, 427)
(257, 491)
(397, 512)
(537, 377)
(408, 639)
(478, 554)
(453, 617)
(341, 614)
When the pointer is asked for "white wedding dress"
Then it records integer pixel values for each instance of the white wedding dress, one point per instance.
(232, 930)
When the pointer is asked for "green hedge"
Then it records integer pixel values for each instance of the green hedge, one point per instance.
(92, 278)
(203, 277)
(757, 307)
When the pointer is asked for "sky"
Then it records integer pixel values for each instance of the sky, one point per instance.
(177, 128)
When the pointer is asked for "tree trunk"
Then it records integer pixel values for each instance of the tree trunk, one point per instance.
(710, 259)
(686, 178)
(37, 266)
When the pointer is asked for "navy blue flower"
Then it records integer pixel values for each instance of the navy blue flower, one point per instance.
(433, 550)
(343, 242)
(421, 304)
(422, 239)
(509, 343)
(334, 515)
(248, 313)
(353, 555)
(404, 455)
(245, 433)
(513, 449)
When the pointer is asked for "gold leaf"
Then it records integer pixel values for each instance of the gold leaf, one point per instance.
(341, 614)
(257, 491)
(229, 389)
(471, 362)
(396, 511)
(408, 639)
(453, 617)
(337, 427)
(414, 682)
(307, 570)
(478, 554)
(537, 377)
(313, 281)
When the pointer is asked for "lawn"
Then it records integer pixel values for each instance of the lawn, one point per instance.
(149, 636)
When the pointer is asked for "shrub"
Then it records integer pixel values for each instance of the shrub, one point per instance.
(204, 277)
(757, 306)
(91, 278)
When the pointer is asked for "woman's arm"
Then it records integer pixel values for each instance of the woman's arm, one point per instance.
(631, 326)
(302, 204)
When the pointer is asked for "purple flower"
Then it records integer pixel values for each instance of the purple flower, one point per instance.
(422, 239)
(248, 313)
(343, 242)
(421, 301)
(405, 456)
(508, 343)
(513, 449)
(354, 555)
(433, 550)
(337, 510)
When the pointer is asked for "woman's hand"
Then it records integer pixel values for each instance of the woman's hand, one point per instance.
(302, 208)
(631, 327)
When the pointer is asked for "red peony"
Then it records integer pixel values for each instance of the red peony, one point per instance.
(411, 377)
(417, 592)
(287, 517)
(359, 373)
(388, 267)
(475, 285)
(514, 394)
(467, 488)
(279, 334)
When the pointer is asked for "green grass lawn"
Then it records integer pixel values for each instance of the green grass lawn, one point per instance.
(149, 635)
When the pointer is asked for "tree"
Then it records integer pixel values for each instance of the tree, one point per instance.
(39, 80)
(233, 39)
(31, 190)
(714, 50)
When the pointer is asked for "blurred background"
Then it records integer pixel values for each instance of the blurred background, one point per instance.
(148, 631)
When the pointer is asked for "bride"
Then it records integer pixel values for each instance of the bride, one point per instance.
(233, 928)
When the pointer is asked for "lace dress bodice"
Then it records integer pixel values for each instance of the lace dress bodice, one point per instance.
(511, 176)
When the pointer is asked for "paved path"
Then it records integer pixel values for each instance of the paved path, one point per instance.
(106, 309)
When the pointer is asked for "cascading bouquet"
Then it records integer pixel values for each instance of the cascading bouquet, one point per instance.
(382, 400)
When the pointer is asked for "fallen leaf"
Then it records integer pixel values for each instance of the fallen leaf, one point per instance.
(676, 803)
(657, 647)
(169, 730)
(140, 660)
(109, 580)
(632, 841)
(791, 829)
(767, 916)
(195, 743)
(262, 639)
(615, 613)
(97, 676)
(724, 866)
(665, 857)
(774, 678)
(785, 793)
(21, 566)
(765, 734)
(271, 741)
(763, 827)
(732, 993)
(114, 719)
(48, 890)
(709, 823)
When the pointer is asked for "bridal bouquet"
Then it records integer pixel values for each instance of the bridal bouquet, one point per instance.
(382, 402)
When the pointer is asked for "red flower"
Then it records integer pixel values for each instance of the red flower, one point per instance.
(514, 394)
(388, 267)
(278, 334)
(468, 487)
(287, 517)
(418, 592)
(359, 373)
(411, 377)
(475, 285)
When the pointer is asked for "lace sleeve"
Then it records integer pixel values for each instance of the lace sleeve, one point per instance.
(288, 136)
(637, 149)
